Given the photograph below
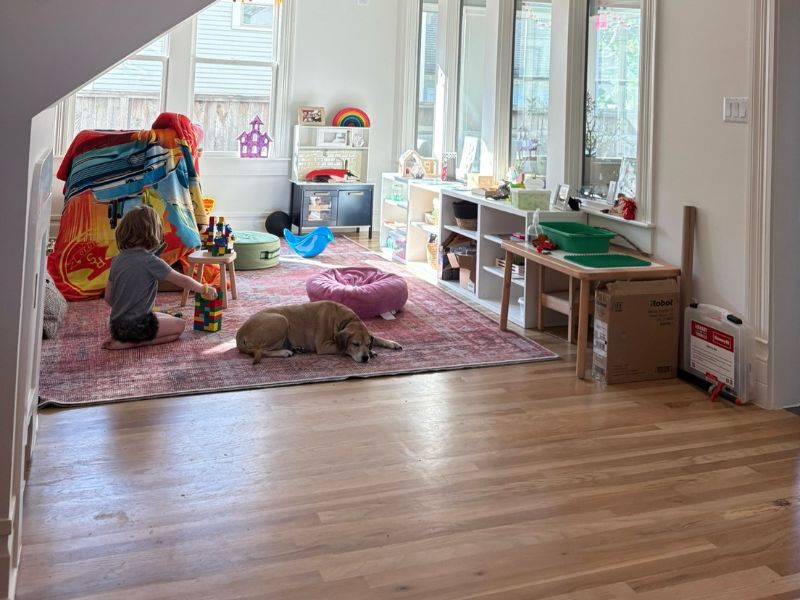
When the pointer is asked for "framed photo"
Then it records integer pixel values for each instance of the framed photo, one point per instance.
(611, 198)
(311, 115)
(562, 197)
(332, 138)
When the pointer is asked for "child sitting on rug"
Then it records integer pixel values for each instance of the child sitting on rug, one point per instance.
(133, 283)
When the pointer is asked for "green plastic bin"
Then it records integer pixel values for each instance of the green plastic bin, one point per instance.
(577, 237)
(256, 250)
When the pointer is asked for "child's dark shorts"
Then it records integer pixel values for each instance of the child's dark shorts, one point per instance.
(139, 329)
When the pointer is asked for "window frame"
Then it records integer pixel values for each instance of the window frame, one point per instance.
(565, 125)
(65, 111)
(177, 86)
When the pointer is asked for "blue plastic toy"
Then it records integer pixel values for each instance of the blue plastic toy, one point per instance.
(310, 244)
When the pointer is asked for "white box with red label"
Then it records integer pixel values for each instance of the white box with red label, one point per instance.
(717, 348)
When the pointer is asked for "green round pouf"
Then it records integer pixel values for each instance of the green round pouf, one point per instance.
(256, 250)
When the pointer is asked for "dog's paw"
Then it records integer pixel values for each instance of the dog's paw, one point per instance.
(373, 354)
(284, 353)
(396, 346)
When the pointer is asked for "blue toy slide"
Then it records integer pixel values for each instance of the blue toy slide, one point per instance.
(311, 244)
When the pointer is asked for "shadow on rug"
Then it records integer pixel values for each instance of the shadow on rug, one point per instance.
(436, 330)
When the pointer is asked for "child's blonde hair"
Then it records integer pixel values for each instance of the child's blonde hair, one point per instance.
(139, 228)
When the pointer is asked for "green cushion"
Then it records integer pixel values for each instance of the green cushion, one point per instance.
(256, 250)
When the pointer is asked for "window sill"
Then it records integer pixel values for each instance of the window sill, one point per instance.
(229, 164)
(599, 213)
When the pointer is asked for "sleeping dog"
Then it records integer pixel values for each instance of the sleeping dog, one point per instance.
(323, 327)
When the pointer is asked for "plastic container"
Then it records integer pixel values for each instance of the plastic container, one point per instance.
(577, 237)
(717, 347)
(530, 199)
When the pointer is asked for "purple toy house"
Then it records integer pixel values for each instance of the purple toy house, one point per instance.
(254, 143)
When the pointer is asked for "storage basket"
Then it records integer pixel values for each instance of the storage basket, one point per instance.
(577, 237)
(433, 254)
(471, 224)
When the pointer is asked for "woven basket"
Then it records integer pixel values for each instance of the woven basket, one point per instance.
(471, 224)
(433, 254)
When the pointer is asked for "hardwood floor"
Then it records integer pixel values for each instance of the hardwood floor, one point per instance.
(508, 483)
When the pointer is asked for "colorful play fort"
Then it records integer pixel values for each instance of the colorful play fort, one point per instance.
(208, 313)
(219, 237)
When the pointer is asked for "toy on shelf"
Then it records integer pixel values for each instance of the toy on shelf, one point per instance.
(208, 313)
(350, 117)
(219, 237)
(311, 244)
(254, 143)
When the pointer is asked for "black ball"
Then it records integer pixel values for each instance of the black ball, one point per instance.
(276, 222)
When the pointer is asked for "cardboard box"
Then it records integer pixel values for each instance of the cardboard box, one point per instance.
(466, 269)
(636, 331)
(474, 180)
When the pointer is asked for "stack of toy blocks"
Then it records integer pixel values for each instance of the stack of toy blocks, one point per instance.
(208, 313)
(208, 241)
(219, 242)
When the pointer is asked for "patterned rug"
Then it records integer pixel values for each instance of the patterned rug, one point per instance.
(437, 332)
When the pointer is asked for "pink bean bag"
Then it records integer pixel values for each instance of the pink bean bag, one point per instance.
(369, 292)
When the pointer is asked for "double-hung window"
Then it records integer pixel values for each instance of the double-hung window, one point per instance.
(234, 70)
(530, 87)
(611, 119)
(128, 96)
(222, 71)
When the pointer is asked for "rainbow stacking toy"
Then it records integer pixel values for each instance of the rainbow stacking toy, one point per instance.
(350, 117)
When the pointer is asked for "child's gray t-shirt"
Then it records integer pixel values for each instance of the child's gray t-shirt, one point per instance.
(133, 280)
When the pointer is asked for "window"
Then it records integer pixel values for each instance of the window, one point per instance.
(234, 70)
(426, 86)
(612, 97)
(471, 85)
(530, 87)
(129, 96)
(222, 72)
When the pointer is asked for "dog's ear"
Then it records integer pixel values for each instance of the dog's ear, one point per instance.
(342, 337)
(257, 356)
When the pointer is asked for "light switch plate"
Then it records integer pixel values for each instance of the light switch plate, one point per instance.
(736, 109)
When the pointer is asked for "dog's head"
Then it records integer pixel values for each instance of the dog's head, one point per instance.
(353, 339)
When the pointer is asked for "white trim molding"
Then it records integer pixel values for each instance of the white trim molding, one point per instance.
(757, 274)
(576, 92)
(647, 78)
(407, 79)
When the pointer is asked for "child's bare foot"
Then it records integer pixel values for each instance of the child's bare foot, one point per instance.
(112, 344)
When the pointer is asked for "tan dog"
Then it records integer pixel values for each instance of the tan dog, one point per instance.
(323, 327)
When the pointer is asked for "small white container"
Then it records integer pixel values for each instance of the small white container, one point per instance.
(717, 347)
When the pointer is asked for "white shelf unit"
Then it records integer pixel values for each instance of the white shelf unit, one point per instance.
(498, 218)
(405, 201)
(495, 218)
(325, 146)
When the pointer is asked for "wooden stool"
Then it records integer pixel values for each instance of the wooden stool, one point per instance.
(199, 259)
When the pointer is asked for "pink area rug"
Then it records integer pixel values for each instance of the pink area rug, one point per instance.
(437, 332)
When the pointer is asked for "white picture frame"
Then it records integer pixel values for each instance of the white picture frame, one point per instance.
(333, 138)
(611, 197)
(561, 197)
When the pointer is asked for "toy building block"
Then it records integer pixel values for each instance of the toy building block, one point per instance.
(208, 313)
(219, 247)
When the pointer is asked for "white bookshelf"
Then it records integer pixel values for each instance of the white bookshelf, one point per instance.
(406, 200)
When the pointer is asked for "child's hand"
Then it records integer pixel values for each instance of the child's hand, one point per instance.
(209, 293)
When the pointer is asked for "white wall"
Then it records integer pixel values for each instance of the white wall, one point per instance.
(702, 54)
(785, 276)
